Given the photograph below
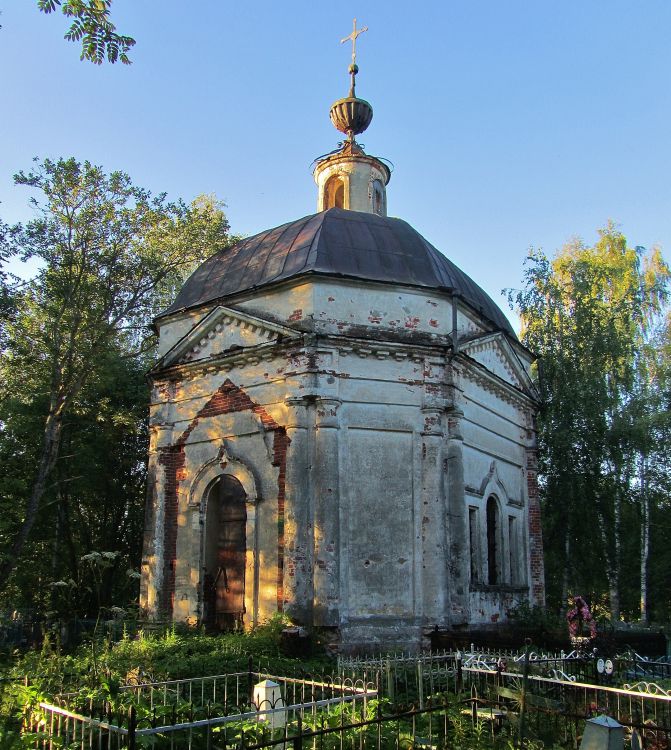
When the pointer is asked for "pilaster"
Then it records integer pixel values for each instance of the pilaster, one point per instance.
(434, 580)
(326, 501)
(298, 519)
(457, 529)
(153, 555)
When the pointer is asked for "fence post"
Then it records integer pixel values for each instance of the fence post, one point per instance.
(298, 739)
(132, 724)
(499, 680)
(390, 681)
(250, 682)
(523, 694)
(420, 684)
(460, 676)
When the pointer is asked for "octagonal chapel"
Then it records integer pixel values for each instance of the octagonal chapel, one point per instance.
(342, 429)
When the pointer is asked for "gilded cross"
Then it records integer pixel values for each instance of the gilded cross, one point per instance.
(352, 37)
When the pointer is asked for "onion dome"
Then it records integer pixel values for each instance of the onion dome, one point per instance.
(351, 115)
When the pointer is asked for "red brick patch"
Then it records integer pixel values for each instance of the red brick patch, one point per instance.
(229, 398)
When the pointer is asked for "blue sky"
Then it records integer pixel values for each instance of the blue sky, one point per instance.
(509, 124)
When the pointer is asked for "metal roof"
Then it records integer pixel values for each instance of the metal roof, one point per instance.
(335, 242)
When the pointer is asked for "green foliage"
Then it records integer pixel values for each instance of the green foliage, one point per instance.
(6, 286)
(95, 503)
(589, 314)
(175, 654)
(92, 27)
(73, 432)
(93, 674)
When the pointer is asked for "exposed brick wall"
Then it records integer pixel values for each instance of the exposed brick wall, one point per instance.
(229, 398)
(535, 530)
(172, 459)
(280, 444)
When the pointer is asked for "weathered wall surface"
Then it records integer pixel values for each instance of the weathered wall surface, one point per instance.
(368, 449)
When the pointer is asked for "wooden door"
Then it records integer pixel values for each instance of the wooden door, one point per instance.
(229, 516)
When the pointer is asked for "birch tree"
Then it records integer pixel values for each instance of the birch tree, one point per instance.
(588, 313)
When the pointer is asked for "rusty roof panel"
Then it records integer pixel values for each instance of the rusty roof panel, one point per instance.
(336, 243)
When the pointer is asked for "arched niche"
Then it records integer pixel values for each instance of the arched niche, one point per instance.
(334, 192)
(505, 540)
(224, 470)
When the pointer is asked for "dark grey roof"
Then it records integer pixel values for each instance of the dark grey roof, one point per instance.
(335, 243)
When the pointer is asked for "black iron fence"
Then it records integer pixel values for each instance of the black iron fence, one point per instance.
(157, 716)
(406, 677)
(420, 701)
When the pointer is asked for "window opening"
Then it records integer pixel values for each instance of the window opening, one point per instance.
(473, 537)
(334, 193)
(493, 548)
(378, 198)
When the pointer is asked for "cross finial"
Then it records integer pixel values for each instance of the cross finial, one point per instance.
(352, 37)
(353, 69)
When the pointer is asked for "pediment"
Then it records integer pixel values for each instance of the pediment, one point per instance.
(222, 331)
(494, 352)
(492, 484)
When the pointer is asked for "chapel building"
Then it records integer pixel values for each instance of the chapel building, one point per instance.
(342, 429)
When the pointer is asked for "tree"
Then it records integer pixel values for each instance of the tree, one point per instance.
(92, 27)
(110, 253)
(649, 431)
(588, 314)
(6, 288)
(94, 503)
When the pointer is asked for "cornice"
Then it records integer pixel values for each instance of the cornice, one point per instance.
(491, 382)
(224, 362)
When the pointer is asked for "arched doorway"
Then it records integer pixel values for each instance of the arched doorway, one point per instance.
(225, 554)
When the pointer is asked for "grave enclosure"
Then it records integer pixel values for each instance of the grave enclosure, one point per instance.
(386, 702)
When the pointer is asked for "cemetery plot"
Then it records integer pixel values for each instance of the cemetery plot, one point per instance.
(476, 699)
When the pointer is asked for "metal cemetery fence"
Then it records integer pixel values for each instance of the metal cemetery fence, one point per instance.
(408, 676)
(364, 725)
(184, 713)
(388, 701)
(643, 706)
